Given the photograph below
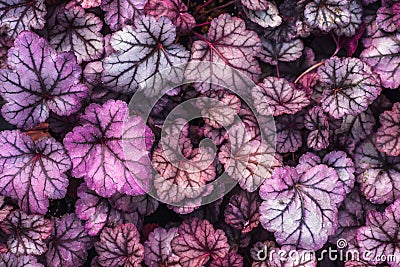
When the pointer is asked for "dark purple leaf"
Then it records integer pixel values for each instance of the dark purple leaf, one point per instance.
(120, 12)
(144, 204)
(288, 134)
(197, 242)
(242, 211)
(388, 135)
(380, 237)
(141, 51)
(4, 209)
(273, 52)
(120, 246)
(388, 16)
(378, 174)
(32, 172)
(383, 57)
(78, 32)
(27, 233)
(301, 210)
(175, 10)
(5, 44)
(349, 86)
(19, 15)
(97, 153)
(276, 96)
(317, 122)
(50, 81)
(158, 249)
(69, 242)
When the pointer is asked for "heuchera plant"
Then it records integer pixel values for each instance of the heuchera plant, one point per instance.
(310, 157)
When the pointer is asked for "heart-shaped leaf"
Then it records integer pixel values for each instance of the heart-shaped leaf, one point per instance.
(388, 135)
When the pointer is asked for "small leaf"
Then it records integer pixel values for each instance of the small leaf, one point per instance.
(69, 242)
(158, 249)
(273, 52)
(78, 32)
(119, 12)
(317, 122)
(278, 96)
(349, 86)
(198, 241)
(27, 233)
(288, 133)
(120, 246)
(265, 17)
(388, 135)
(388, 16)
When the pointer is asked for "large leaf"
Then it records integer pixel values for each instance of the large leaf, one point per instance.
(141, 52)
(96, 149)
(32, 171)
(19, 15)
(301, 210)
(175, 10)
(278, 96)
(78, 32)
(69, 242)
(378, 173)
(349, 86)
(228, 42)
(388, 16)
(248, 161)
(158, 249)
(119, 12)
(198, 241)
(388, 135)
(120, 246)
(383, 57)
(39, 80)
(27, 233)
(380, 237)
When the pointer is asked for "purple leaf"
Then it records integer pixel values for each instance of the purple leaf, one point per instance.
(144, 204)
(141, 51)
(278, 96)
(327, 14)
(120, 246)
(89, 3)
(388, 135)
(32, 172)
(69, 242)
(97, 154)
(11, 260)
(381, 234)
(288, 134)
(197, 242)
(78, 32)
(27, 233)
(349, 86)
(356, 13)
(383, 57)
(285, 51)
(19, 15)
(158, 249)
(256, 4)
(265, 17)
(242, 211)
(301, 210)
(232, 260)
(344, 167)
(229, 42)
(49, 82)
(120, 12)
(378, 174)
(4, 209)
(248, 161)
(388, 16)
(317, 122)
(5, 44)
(175, 10)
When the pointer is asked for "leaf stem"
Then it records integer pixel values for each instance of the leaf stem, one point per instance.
(200, 36)
(203, 24)
(313, 67)
(277, 70)
(337, 43)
